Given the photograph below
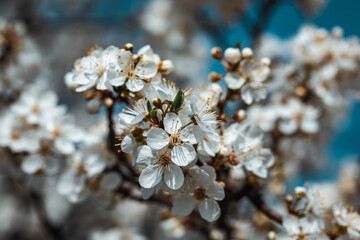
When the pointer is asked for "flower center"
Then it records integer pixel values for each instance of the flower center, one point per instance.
(101, 71)
(301, 236)
(56, 133)
(15, 134)
(35, 109)
(233, 159)
(174, 140)
(164, 160)
(200, 193)
(298, 116)
(81, 169)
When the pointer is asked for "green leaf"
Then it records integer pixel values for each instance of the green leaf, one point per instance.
(148, 105)
(153, 115)
(178, 101)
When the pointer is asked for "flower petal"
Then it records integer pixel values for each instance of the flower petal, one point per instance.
(150, 176)
(172, 123)
(209, 210)
(118, 81)
(144, 155)
(234, 80)
(246, 95)
(124, 60)
(192, 134)
(134, 85)
(138, 118)
(110, 181)
(174, 177)
(182, 155)
(183, 206)
(85, 87)
(147, 192)
(146, 69)
(32, 164)
(157, 138)
(127, 144)
(64, 146)
(216, 191)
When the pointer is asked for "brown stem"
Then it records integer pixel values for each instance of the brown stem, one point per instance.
(39, 207)
(257, 200)
(111, 145)
(222, 103)
(263, 18)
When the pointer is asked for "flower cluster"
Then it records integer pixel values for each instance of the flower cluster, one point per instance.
(188, 151)
(243, 73)
(165, 131)
(34, 122)
(307, 93)
(106, 69)
(311, 217)
(174, 136)
(19, 60)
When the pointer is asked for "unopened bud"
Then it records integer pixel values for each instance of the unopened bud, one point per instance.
(321, 35)
(300, 91)
(217, 234)
(265, 61)
(288, 199)
(232, 55)
(271, 235)
(337, 32)
(215, 77)
(240, 115)
(93, 106)
(108, 102)
(247, 53)
(129, 47)
(216, 53)
(166, 67)
(300, 192)
(157, 103)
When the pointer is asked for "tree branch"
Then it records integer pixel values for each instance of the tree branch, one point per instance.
(263, 18)
(111, 146)
(256, 199)
(39, 206)
(258, 202)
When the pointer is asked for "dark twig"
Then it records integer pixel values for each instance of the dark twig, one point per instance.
(257, 200)
(111, 145)
(264, 14)
(39, 206)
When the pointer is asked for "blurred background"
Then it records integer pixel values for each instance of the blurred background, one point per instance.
(55, 33)
(183, 31)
